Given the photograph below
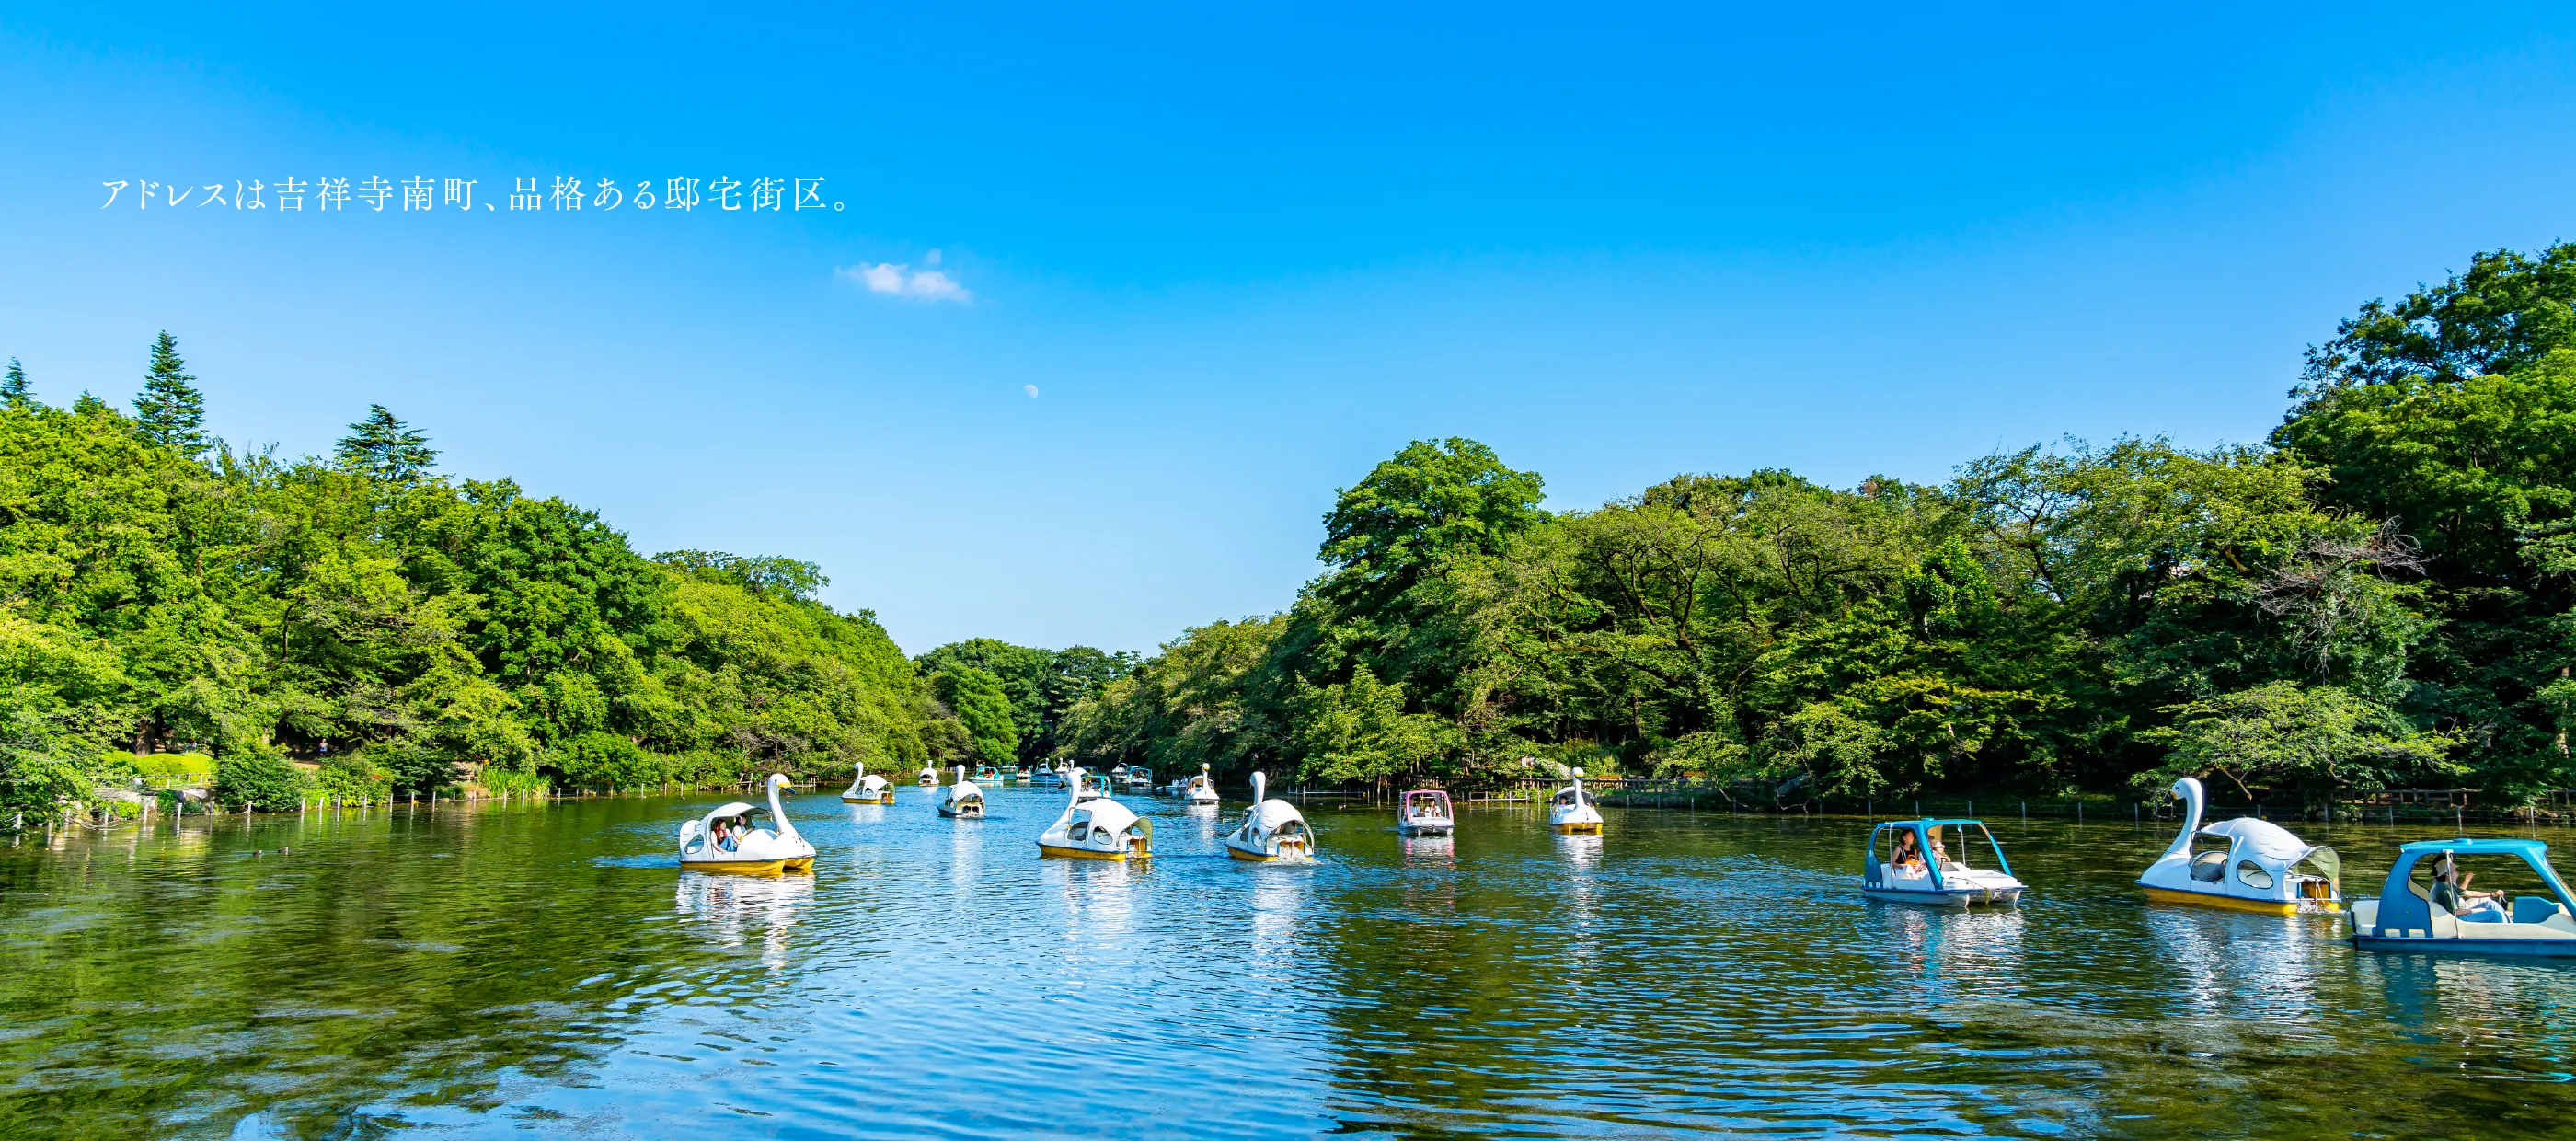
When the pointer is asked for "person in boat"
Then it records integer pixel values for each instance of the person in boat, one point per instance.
(2451, 891)
(1905, 854)
(724, 834)
(1940, 854)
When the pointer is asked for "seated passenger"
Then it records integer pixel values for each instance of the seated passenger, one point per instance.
(1904, 854)
(2451, 893)
(724, 836)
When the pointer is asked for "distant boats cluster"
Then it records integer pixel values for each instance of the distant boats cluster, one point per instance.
(2245, 864)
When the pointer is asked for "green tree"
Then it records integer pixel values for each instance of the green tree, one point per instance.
(169, 411)
(983, 708)
(13, 385)
(2283, 733)
(1430, 500)
(385, 448)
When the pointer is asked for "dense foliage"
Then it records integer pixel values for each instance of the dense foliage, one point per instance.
(362, 625)
(2379, 594)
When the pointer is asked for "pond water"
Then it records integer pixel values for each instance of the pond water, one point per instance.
(496, 970)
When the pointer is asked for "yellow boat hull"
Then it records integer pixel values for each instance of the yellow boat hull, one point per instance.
(2230, 903)
(756, 867)
(1087, 854)
(1569, 829)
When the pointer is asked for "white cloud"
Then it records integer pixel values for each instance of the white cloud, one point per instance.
(900, 280)
(1032, 390)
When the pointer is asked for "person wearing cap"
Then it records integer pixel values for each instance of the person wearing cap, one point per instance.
(2451, 893)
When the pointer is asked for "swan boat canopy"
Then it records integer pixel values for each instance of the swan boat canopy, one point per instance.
(868, 788)
(1571, 809)
(1425, 812)
(1200, 789)
(744, 848)
(1941, 879)
(2255, 868)
(1140, 779)
(964, 798)
(927, 778)
(2403, 916)
(1096, 828)
(1273, 831)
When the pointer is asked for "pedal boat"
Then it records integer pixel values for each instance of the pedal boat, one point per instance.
(1090, 785)
(2402, 916)
(928, 777)
(1140, 779)
(1571, 809)
(2258, 870)
(963, 799)
(752, 849)
(1425, 812)
(868, 788)
(987, 776)
(1938, 882)
(1273, 831)
(1096, 828)
(1200, 789)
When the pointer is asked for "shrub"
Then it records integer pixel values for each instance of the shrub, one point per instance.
(258, 778)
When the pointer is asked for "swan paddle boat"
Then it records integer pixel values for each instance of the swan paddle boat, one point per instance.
(742, 847)
(1048, 776)
(1200, 789)
(2403, 917)
(1273, 831)
(1096, 828)
(1940, 880)
(928, 777)
(964, 798)
(988, 777)
(868, 788)
(1140, 779)
(1571, 809)
(2257, 869)
(1425, 812)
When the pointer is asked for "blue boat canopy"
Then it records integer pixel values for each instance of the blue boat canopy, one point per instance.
(2482, 846)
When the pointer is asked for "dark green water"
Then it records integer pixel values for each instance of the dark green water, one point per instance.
(501, 970)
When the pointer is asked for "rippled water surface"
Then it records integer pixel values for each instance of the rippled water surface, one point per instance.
(499, 970)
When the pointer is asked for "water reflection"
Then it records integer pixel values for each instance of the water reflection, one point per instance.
(483, 968)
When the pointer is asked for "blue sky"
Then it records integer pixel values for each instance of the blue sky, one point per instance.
(1241, 256)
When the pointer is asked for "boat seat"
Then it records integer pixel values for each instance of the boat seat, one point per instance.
(2534, 909)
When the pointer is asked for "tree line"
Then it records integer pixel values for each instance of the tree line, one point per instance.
(2379, 594)
(362, 625)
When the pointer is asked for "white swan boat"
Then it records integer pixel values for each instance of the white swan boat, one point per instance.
(2255, 867)
(928, 777)
(1571, 809)
(1425, 812)
(1939, 879)
(868, 788)
(1272, 831)
(742, 847)
(1200, 789)
(1096, 828)
(964, 798)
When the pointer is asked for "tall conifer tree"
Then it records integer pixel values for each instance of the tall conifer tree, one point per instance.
(387, 448)
(13, 385)
(169, 411)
